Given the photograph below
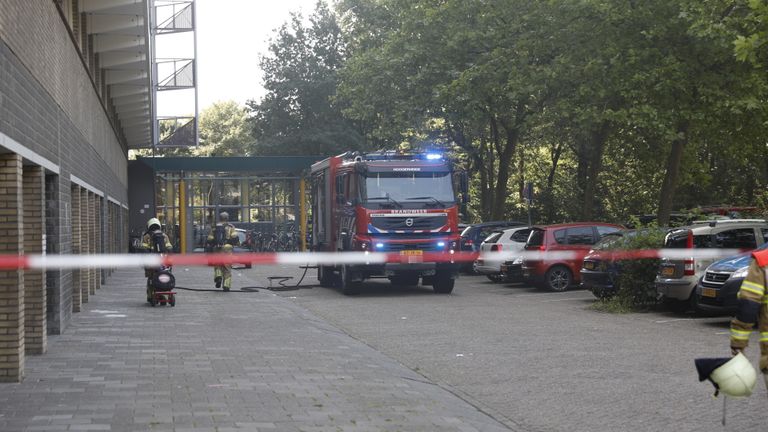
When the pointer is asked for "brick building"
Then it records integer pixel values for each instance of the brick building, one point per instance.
(75, 95)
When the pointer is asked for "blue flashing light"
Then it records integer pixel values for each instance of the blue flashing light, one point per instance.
(434, 156)
(441, 244)
(379, 245)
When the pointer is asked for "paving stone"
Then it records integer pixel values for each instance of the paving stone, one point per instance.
(220, 362)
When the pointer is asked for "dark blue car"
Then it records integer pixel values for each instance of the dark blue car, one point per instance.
(716, 290)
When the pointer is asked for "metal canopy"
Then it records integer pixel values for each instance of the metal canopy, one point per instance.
(256, 164)
(121, 38)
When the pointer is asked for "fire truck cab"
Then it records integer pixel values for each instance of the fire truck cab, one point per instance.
(401, 204)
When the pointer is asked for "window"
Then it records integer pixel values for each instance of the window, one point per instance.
(580, 235)
(765, 234)
(560, 236)
(493, 238)
(741, 238)
(605, 230)
(520, 236)
(536, 238)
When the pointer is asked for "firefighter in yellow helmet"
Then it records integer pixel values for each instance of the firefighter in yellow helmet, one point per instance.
(753, 309)
(222, 238)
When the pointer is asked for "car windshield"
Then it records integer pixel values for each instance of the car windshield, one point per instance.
(432, 188)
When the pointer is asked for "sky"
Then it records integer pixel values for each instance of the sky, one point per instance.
(231, 34)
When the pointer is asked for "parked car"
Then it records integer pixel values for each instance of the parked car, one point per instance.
(717, 288)
(496, 247)
(473, 235)
(676, 279)
(598, 274)
(558, 274)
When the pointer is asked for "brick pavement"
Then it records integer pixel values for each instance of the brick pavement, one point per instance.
(220, 362)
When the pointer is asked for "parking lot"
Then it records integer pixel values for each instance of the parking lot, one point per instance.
(488, 357)
(544, 361)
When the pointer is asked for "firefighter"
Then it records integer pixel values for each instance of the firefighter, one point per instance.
(753, 309)
(222, 238)
(154, 227)
(149, 244)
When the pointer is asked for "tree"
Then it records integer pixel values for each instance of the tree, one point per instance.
(299, 114)
(224, 131)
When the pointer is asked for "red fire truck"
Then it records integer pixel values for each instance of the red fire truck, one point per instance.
(404, 204)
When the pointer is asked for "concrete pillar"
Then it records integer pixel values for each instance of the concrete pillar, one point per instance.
(85, 248)
(92, 241)
(33, 179)
(99, 225)
(58, 240)
(11, 282)
(77, 241)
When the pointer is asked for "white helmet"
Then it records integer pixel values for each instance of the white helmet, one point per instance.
(153, 221)
(735, 377)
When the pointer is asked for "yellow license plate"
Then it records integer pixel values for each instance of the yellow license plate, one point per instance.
(708, 292)
(411, 252)
(668, 271)
(589, 265)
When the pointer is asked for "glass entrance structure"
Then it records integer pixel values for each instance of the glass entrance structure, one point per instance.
(262, 195)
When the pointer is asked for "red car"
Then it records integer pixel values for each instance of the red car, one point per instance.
(559, 273)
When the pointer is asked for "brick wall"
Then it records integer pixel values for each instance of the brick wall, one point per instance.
(36, 34)
(33, 179)
(11, 282)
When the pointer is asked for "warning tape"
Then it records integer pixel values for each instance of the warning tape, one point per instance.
(63, 262)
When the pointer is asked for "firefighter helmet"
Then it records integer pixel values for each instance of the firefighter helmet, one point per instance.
(153, 221)
(735, 376)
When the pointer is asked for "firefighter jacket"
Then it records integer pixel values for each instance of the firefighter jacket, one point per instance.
(222, 234)
(148, 244)
(753, 308)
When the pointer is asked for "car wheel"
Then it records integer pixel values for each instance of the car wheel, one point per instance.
(443, 283)
(558, 278)
(496, 278)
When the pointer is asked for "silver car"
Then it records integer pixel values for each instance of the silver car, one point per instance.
(676, 279)
(498, 247)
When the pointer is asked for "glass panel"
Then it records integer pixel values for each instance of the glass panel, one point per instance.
(560, 236)
(581, 235)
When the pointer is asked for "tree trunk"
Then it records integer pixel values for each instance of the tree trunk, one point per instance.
(674, 161)
(505, 160)
(594, 166)
(550, 205)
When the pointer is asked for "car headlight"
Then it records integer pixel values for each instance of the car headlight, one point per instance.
(518, 260)
(740, 273)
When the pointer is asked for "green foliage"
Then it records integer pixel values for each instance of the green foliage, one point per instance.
(223, 130)
(635, 282)
(299, 115)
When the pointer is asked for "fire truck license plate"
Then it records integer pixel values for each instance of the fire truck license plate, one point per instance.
(709, 292)
(667, 271)
(411, 252)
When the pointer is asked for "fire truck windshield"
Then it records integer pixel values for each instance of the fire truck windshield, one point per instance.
(417, 189)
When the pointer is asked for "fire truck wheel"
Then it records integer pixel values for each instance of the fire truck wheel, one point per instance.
(325, 276)
(348, 287)
(443, 284)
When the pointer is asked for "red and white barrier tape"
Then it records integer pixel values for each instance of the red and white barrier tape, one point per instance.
(10, 262)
